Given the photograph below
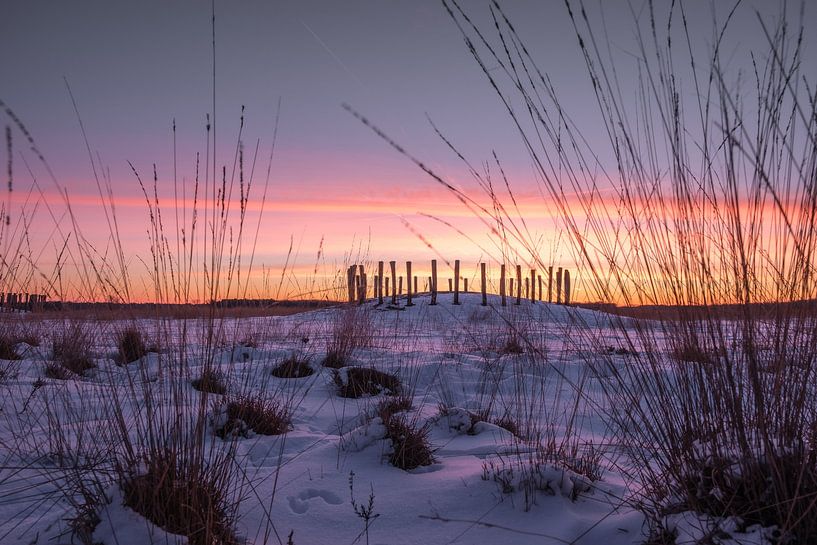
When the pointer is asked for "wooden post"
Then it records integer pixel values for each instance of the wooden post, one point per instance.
(379, 282)
(527, 287)
(408, 284)
(465, 285)
(387, 285)
(510, 286)
(428, 286)
(540, 287)
(450, 286)
(350, 282)
(456, 281)
(519, 284)
(361, 294)
(550, 284)
(502, 283)
(559, 286)
(567, 286)
(484, 287)
(393, 267)
(400, 284)
(533, 285)
(433, 281)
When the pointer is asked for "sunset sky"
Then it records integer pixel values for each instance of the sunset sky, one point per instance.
(335, 187)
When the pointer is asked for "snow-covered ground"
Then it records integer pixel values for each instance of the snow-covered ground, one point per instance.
(453, 362)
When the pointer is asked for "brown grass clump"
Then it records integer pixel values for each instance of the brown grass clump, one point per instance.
(29, 332)
(390, 406)
(351, 329)
(56, 371)
(510, 424)
(254, 412)
(362, 381)
(182, 497)
(7, 342)
(131, 345)
(211, 382)
(410, 446)
(512, 346)
(295, 366)
(71, 348)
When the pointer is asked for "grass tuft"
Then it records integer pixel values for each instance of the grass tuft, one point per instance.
(294, 366)
(351, 329)
(211, 382)
(71, 348)
(131, 345)
(7, 342)
(410, 445)
(354, 382)
(181, 497)
(254, 412)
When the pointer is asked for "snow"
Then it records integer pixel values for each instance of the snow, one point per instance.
(485, 486)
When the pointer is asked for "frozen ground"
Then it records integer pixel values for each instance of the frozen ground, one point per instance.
(453, 361)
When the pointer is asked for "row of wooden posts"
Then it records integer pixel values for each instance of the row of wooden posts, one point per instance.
(358, 287)
(21, 301)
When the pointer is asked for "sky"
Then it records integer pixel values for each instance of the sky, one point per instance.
(336, 192)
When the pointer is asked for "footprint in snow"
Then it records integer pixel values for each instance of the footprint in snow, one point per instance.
(300, 504)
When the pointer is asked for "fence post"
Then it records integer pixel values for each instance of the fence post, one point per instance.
(540, 287)
(433, 281)
(519, 284)
(527, 287)
(450, 286)
(393, 267)
(484, 286)
(363, 287)
(408, 285)
(456, 281)
(567, 286)
(400, 284)
(559, 286)
(415, 285)
(533, 285)
(387, 286)
(502, 283)
(379, 282)
(350, 282)
(465, 285)
(550, 284)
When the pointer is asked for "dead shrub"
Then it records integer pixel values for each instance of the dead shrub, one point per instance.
(7, 342)
(510, 424)
(29, 332)
(410, 446)
(211, 382)
(254, 412)
(131, 345)
(71, 348)
(351, 329)
(182, 497)
(512, 345)
(354, 382)
(390, 406)
(294, 366)
(56, 371)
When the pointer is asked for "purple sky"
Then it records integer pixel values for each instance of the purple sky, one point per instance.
(135, 66)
